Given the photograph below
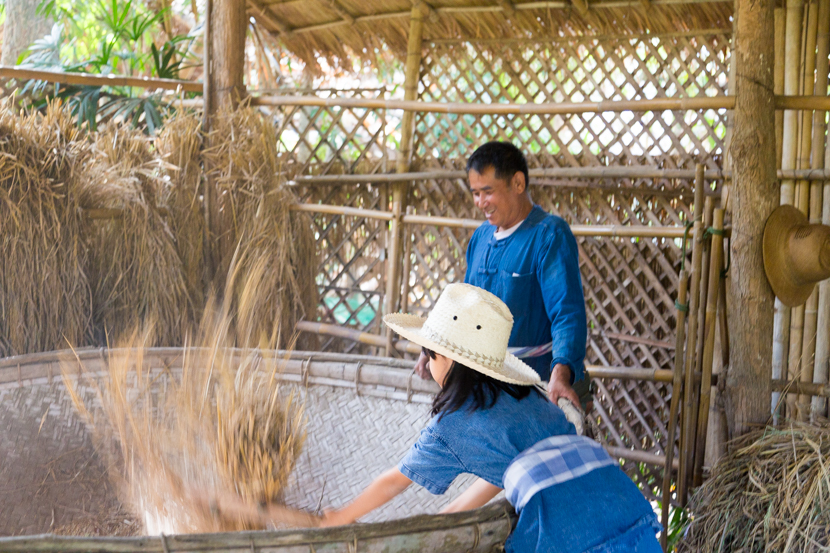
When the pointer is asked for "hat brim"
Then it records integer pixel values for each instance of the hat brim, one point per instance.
(513, 371)
(789, 289)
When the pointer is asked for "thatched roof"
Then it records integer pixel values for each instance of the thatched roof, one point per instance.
(338, 30)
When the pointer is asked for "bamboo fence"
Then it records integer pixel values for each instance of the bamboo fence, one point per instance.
(799, 348)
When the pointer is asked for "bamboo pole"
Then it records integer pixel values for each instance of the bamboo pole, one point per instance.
(407, 264)
(622, 172)
(614, 231)
(356, 336)
(708, 214)
(810, 337)
(822, 357)
(632, 172)
(715, 267)
(99, 80)
(687, 432)
(789, 152)
(677, 383)
(789, 101)
(400, 189)
(753, 196)
(778, 78)
(799, 407)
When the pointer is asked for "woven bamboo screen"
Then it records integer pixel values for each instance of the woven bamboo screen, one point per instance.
(630, 284)
(334, 140)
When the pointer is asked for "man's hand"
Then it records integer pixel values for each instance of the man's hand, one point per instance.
(560, 385)
(421, 367)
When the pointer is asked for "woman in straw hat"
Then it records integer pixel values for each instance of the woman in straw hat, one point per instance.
(489, 420)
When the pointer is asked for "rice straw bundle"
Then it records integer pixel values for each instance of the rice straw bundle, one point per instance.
(136, 270)
(771, 493)
(244, 163)
(44, 290)
(224, 429)
(178, 145)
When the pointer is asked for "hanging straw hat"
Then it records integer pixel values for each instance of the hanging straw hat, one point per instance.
(471, 326)
(796, 254)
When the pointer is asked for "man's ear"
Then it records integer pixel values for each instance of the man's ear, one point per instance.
(518, 182)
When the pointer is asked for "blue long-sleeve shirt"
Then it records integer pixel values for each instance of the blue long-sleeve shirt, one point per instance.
(535, 271)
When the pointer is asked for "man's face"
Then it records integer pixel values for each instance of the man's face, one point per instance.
(504, 203)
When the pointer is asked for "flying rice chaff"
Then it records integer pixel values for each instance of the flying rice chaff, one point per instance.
(224, 428)
(770, 493)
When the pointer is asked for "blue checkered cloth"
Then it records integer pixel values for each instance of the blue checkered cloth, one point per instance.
(552, 461)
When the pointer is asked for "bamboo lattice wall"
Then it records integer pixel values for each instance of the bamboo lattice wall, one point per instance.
(630, 284)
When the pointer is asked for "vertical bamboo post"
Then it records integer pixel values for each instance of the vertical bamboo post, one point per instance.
(399, 190)
(226, 43)
(822, 356)
(753, 196)
(209, 191)
(687, 432)
(796, 360)
(674, 404)
(708, 210)
(715, 267)
(407, 262)
(811, 338)
(781, 323)
(822, 362)
(778, 81)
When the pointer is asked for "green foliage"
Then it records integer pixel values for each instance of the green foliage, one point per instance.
(105, 37)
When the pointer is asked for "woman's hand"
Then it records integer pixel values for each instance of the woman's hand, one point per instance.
(334, 517)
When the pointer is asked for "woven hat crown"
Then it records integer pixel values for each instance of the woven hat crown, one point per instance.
(471, 322)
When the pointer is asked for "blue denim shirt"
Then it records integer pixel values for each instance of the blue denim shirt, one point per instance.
(603, 506)
(482, 442)
(535, 271)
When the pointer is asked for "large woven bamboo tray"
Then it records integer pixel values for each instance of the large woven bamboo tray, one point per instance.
(364, 413)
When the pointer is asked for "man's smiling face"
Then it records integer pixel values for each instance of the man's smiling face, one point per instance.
(504, 203)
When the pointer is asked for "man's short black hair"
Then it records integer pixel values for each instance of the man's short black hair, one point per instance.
(504, 157)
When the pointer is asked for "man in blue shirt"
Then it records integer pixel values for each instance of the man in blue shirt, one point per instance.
(529, 259)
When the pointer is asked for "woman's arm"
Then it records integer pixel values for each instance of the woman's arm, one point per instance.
(477, 495)
(385, 487)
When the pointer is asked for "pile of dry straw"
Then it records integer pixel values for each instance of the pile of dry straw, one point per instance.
(67, 278)
(203, 449)
(771, 493)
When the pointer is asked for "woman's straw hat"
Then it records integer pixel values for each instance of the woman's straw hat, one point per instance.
(471, 326)
(796, 254)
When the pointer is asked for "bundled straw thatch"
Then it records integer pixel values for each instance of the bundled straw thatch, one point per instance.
(771, 493)
(179, 146)
(244, 164)
(66, 277)
(136, 272)
(223, 428)
(44, 288)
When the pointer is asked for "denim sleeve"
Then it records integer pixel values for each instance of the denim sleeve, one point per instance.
(430, 463)
(561, 284)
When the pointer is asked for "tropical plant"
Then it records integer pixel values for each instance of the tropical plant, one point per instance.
(107, 37)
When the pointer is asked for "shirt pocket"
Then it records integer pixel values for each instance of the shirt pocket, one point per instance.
(516, 291)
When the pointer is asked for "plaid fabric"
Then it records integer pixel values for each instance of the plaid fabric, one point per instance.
(531, 351)
(552, 461)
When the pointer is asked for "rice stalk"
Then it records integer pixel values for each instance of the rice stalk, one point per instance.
(44, 287)
(770, 493)
(225, 427)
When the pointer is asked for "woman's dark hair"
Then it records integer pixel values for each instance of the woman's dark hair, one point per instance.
(504, 157)
(463, 382)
